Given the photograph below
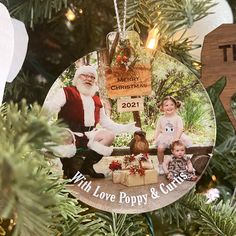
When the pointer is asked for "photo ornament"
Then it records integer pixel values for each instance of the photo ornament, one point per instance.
(139, 127)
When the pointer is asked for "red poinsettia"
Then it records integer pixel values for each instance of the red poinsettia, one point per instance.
(141, 171)
(115, 165)
(129, 159)
(135, 169)
(132, 170)
(132, 158)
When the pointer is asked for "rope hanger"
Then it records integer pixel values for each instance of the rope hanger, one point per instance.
(118, 17)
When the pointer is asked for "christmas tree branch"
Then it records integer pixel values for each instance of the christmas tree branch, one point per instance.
(169, 17)
(33, 11)
(123, 224)
(31, 194)
(191, 213)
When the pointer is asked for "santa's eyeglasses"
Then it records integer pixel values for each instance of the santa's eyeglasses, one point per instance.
(88, 76)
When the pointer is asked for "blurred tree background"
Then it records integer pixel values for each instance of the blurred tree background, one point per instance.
(61, 31)
(56, 42)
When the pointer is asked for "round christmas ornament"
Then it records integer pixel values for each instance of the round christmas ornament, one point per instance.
(141, 127)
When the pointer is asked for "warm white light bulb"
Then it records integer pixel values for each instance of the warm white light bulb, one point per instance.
(151, 43)
(70, 15)
(152, 39)
(213, 177)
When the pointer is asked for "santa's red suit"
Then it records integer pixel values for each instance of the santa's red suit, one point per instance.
(73, 113)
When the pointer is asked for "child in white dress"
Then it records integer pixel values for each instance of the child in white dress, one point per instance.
(169, 128)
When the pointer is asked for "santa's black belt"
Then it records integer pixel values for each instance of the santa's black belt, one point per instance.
(84, 129)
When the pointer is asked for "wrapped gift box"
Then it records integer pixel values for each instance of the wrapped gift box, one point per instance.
(127, 179)
(147, 165)
(132, 179)
(151, 177)
(118, 176)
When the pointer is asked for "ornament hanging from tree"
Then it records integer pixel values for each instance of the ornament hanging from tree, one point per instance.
(139, 186)
(118, 191)
(219, 59)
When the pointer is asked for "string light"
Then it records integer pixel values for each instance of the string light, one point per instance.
(213, 177)
(70, 15)
(197, 65)
(152, 39)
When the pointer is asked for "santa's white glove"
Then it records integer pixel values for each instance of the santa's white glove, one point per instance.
(78, 134)
(131, 128)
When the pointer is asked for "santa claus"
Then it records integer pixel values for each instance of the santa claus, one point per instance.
(82, 110)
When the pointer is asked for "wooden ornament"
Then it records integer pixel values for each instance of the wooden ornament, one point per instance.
(127, 71)
(219, 59)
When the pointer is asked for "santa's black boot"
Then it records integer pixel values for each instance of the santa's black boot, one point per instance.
(71, 166)
(92, 158)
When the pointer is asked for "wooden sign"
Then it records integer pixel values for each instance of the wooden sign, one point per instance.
(130, 104)
(219, 59)
(132, 82)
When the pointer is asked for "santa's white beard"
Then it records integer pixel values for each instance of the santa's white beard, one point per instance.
(85, 89)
